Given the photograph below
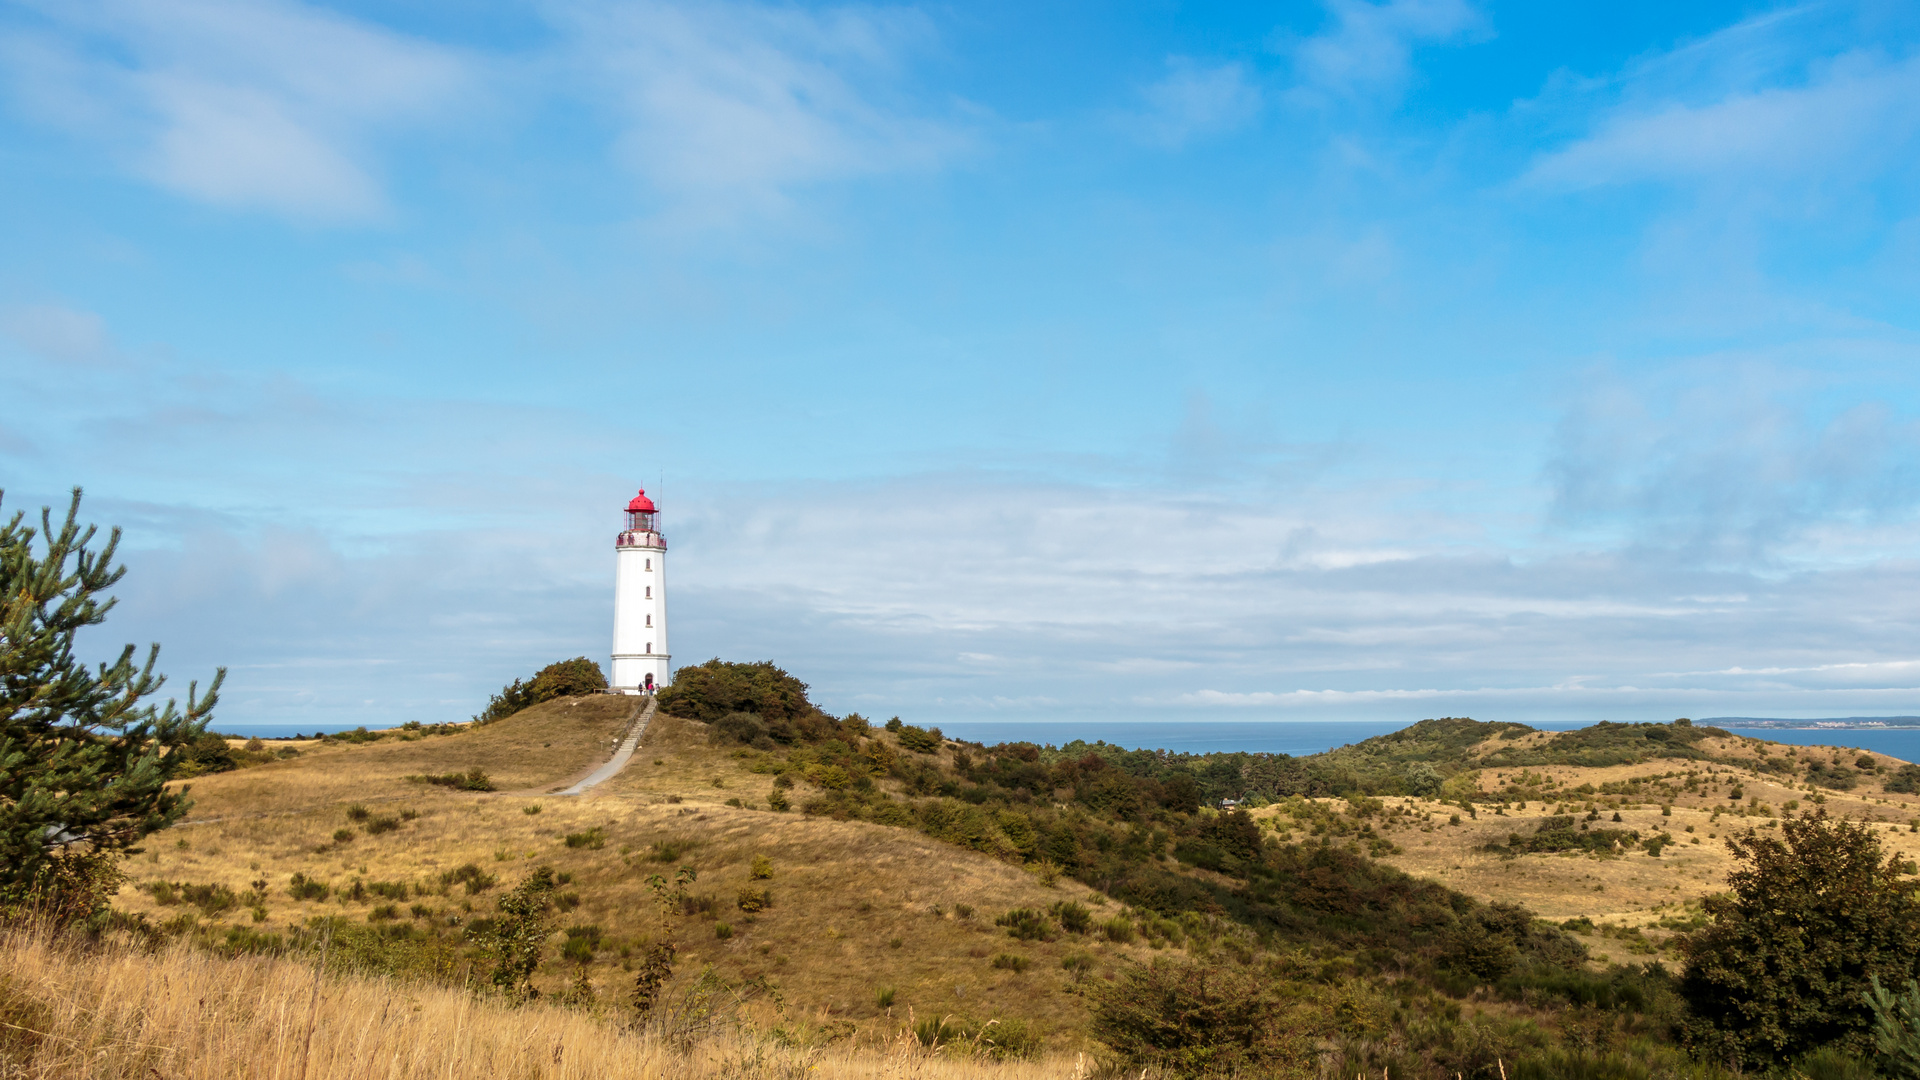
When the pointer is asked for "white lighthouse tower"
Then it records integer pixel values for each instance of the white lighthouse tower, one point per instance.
(640, 658)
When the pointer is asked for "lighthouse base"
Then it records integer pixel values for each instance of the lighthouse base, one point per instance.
(630, 673)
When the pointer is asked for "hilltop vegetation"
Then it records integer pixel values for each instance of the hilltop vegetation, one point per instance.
(800, 884)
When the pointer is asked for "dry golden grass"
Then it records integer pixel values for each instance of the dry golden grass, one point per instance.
(857, 907)
(1635, 889)
(550, 744)
(182, 1014)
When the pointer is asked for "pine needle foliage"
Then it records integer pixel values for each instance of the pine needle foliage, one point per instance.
(1896, 1028)
(84, 759)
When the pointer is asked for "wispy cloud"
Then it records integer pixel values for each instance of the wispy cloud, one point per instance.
(730, 109)
(1841, 123)
(57, 332)
(1367, 48)
(1195, 101)
(1733, 462)
(270, 105)
(1788, 97)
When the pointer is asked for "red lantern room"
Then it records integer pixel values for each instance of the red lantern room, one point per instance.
(640, 513)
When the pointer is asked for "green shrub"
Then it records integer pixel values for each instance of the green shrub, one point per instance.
(1074, 918)
(303, 887)
(919, 740)
(567, 678)
(383, 913)
(762, 868)
(1192, 1019)
(778, 802)
(1828, 1063)
(666, 851)
(1026, 924)
(706, 692)
(1118, 929)
(519, 932)
(935, 1032)
(382, 824)
(723, 931)
(391, 890)
(474, 779)
(1581, 1065)
(1813, 915)
(593, 839)
(1011, 962)
(752, 900)
(1005, 1039)
(475, 879)
(343, 836)
(1905, 780)
(357, 812)
(210, 899)
(883, 997)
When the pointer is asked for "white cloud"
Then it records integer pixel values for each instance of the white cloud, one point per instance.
(269, 105)
(728, 109)
(464, 544)
(1195, 101)
(1731, 461)
(1368, 49)
(1839, 123)
(56, 332)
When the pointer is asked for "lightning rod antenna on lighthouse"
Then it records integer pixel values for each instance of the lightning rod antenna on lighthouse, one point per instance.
(641, 661)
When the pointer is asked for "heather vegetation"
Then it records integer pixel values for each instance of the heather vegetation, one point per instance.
(1156, 831)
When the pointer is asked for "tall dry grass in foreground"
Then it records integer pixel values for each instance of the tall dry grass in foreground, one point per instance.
(113, 1011)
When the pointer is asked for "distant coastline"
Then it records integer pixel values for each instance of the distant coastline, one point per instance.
(1830, 723)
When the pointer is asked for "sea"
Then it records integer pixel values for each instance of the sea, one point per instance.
(1295, 737)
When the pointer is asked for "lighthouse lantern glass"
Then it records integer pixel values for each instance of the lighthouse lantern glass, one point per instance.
(640, 520)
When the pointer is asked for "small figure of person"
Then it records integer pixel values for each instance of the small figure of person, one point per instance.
(649, 690)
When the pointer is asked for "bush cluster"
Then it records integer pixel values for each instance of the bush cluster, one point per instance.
(567, 678)
(474, 779)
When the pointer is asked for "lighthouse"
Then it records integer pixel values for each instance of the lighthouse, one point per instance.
(640, 658)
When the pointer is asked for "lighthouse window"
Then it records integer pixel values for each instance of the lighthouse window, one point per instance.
(649, 565)
(649, 592)
(649, 646)
(649, 620)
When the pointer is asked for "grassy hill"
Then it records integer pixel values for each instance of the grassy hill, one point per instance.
(856, 907)
(1435, 901)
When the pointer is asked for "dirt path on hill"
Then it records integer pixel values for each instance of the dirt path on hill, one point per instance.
(592, 778)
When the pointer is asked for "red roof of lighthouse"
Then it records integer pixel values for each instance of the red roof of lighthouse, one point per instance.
(641, 504)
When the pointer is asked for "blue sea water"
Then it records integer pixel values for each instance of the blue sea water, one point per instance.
(1296, 737)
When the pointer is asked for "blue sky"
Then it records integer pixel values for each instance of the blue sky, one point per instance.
(1336, 360)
